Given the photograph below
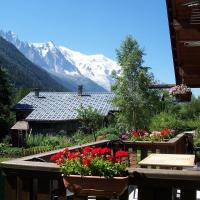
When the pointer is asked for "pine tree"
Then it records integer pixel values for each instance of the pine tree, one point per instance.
(135, 100)
(5, 101)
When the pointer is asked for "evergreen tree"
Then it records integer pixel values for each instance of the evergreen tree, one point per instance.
(5, 101)
(135, 100)
(20, 93)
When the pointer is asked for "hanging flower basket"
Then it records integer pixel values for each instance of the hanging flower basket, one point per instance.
(181, 92)
(93, 185)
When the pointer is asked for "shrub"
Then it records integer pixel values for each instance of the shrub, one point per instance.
(81, 138)
(109, 133)
(194, 124)
(168, 120)
(8, 150)
(46, 140)
(89, 118)
(34, 140)
(7, 139)
(187, 111)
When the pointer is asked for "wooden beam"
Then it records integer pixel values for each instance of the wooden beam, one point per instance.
(161, 86)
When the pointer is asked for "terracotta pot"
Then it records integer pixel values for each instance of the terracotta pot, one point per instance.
(183, 97)
(96, 185)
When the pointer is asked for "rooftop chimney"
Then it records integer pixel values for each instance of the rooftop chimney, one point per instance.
(80, 90)
(37, 92)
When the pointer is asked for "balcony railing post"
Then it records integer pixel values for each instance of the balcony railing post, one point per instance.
(34, 189)
(10, 187)
(19, 188)
(188, 193)
(151, 193)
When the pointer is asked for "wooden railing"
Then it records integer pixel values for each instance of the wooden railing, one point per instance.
(34, 178)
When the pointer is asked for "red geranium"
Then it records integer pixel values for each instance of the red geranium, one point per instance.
(73, 155)
(86, 162)
(86, 150)
(111, 158)
(92, 161)
(121, 153)
(165, 131)
(135, 134)
(96, 151)
(105, 151)
(56, 156)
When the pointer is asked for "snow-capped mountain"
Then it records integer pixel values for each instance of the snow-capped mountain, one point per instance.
(66, 64)
(98, 68)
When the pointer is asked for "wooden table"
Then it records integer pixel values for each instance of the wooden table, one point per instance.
(169, 160)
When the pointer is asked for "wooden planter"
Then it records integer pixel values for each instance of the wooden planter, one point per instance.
(96, 185)
(183, 97)
(139, 150)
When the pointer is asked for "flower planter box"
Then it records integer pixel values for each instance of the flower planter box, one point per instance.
(96, 185)
(176, 145)
(183, 97)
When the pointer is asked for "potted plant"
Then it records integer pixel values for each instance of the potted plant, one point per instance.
(181, 92)
(142, 135)
(93, 169)
(142, 142)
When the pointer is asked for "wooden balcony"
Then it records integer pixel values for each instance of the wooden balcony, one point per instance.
(35, 178)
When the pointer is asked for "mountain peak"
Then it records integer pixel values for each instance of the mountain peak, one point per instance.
(12, 34)
(50, 44)
(9, 35)
(69, 64)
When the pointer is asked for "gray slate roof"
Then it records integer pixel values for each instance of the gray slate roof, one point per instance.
(62, 106)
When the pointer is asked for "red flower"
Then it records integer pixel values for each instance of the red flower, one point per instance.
(121, 153)
(139, 132)
(56, 156)
(111, 158)
(86, 162)
(135, 134)
(86, 150)
(105, 150)
(165, 131)
(73, 155)
(96, 151)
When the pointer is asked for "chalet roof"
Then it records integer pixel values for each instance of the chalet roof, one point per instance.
(62, 106)
(21, 125)
(184, 25)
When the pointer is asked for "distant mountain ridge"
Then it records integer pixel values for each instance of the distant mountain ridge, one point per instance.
(22, 72)
(71, 68)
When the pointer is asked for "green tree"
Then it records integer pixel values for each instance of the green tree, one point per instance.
(5, 101)
(134, 98)
(90, 119)
(20, 93)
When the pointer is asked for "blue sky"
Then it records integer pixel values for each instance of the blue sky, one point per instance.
(95, 27)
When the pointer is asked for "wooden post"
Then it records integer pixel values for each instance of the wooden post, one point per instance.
(34, 189)
(150, 193)
(132, 157)
(144, 153)
(188, 193)
(10, 187)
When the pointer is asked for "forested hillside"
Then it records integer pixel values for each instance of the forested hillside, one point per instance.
(24, 73)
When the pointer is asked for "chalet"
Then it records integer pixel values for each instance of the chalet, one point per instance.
(52, 112)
